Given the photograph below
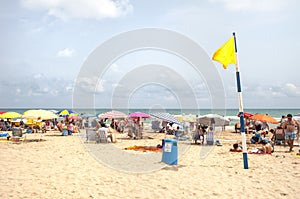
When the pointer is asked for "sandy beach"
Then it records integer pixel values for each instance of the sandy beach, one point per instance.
(67, 167)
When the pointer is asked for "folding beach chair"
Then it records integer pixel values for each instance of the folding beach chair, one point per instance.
(17, 134)
(91, 135)
(279, 136)
(101, 136)
(210, 138)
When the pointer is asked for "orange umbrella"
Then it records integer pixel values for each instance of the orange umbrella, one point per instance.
(264, 118)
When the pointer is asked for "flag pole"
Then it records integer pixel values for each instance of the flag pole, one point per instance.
(241, 110)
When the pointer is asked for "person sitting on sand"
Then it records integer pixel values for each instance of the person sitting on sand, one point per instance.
(257, 136)
(236, 148)
(266, 148)
(60, 126)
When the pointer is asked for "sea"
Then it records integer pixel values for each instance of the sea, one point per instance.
(230, 113)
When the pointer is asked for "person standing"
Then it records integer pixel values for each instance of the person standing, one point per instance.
(290, 130)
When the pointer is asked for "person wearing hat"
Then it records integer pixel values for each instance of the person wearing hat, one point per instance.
(290, 130)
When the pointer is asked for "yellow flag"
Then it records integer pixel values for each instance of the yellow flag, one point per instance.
(226, 53)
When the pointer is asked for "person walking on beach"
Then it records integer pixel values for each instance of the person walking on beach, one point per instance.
(290, 130)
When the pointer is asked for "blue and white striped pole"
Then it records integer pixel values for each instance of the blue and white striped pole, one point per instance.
(241, 110)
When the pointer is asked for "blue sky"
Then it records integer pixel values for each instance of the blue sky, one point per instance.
(44, 44)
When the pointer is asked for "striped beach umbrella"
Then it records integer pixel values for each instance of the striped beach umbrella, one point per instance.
(112, 114)
(166, 117)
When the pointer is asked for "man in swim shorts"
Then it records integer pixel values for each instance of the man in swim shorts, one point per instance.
(290, 130)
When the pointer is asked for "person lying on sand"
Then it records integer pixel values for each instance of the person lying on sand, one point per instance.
(236, 148)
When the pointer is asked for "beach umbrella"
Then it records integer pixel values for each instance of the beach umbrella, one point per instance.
(186, 118)
(210, 119)
(39, 115)
(264, 118)
(246, 114)
(1, 112)
(87, 115)
(166, 117)
(65, 112)
(74, 117)
(139, 115)
(10, 115)
(112, 114)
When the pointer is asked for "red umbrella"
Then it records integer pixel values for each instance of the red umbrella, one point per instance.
(246, 114)
(139, 114)
(1, 112)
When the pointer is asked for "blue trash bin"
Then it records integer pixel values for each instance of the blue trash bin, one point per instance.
(170, 152)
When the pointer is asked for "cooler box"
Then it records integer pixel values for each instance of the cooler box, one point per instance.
(170, 152)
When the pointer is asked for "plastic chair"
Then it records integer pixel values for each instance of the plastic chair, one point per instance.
(90, 135)
(279, 137)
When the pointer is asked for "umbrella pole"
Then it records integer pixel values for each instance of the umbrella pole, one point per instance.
(242, 122)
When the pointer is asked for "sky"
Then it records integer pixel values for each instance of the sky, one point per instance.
(45, 43)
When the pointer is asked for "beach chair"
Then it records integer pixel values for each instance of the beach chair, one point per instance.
(17, 134)
(209, 138)
(91, 135)
(279, 136)
(101, 136)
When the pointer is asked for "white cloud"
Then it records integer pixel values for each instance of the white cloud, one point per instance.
(291, 90)
(252, 5)
(91, 84)
(67, 52)
(77, 9)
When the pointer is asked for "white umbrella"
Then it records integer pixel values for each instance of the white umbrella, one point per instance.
(211, 119)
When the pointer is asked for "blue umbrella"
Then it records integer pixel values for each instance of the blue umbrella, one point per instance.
(65, 112)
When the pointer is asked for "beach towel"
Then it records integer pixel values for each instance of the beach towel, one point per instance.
(4, 134)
